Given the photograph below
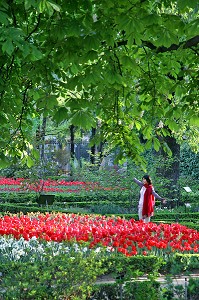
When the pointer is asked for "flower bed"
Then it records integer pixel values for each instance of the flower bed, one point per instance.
(43, 255)
(129, 237)
(49, 185)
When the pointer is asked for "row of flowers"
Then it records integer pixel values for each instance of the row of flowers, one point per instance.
(35, 249)
(49, 185)
(129, 237)
(48, 182)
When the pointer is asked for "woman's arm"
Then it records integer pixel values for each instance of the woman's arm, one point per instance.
(138, 182)
(156, 195)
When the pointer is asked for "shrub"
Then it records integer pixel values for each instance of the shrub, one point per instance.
(54, 277)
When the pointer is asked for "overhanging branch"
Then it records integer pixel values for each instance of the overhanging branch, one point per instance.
(185, 45)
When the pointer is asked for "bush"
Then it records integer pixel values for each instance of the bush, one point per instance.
(54, 277)
(136, 290)
(110, 208)
(18, 197)
(193, 289)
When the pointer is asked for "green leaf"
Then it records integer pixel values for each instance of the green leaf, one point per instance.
(28, 4)
(4, 162)
(3, 119)
(173, 125)
(91, 42)
(165, 132)
(35, 153)
(74, 69)
(137, 124)
(91, 55)
(36, 54)
(29, 162)
(54, 5)
(167, 149)
(12, 120)
(3, 18)
(42, 6)
(61, 115)
(194, 120)
(187, 4)
(8, 47)
(113, 77)
(156, 144)
(180, 91)
(128, 62)
(147, 132)
(83, 119)
(51, 101)
(164, 39)
(148, 144)
(152, 19)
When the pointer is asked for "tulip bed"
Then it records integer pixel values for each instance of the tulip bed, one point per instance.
(48, 185)
(19, 194)
(45, 252)
(129, 237)
(50, 240)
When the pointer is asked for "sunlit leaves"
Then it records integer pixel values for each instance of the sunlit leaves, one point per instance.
(185, 5)
(4, 162)
(48, 6)
(83, 118)
(54, 5)
(29, 3)
(129, 63)
(8, 47)
(91, 42)
(156, 144)
(147, 132)
(29, 162)
(126, 63)
(61, 115)
(3, 18)
(194, 120)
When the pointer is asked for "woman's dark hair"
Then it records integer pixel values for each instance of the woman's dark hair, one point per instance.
(148, 179)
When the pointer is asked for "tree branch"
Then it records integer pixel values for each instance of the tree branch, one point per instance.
(185, 45)
(34, 29)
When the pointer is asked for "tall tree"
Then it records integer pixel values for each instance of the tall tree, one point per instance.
(69, 59)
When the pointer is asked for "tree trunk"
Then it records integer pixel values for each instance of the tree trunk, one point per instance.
(171, 171)
(93, 151)
(72, 142)
(43, 132)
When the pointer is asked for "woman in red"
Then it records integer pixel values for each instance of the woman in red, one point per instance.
(147, 198)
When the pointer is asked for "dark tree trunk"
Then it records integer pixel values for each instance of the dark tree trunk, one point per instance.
(43, 132)
(100, 150)
(72, 142)
(174, 171)
(171, 171)
(93, 150)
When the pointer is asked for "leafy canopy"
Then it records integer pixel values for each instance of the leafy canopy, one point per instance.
(129, 68)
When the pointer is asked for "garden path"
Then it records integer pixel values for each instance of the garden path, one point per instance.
(182, 279)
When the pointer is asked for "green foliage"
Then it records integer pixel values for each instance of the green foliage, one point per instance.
(132, 67)
(189, 163)
(134, 266)
(193, 289)
(188, 262)
(53, 277)
(135, 290)
(190, 197)
(104, 209)
(18, 197)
